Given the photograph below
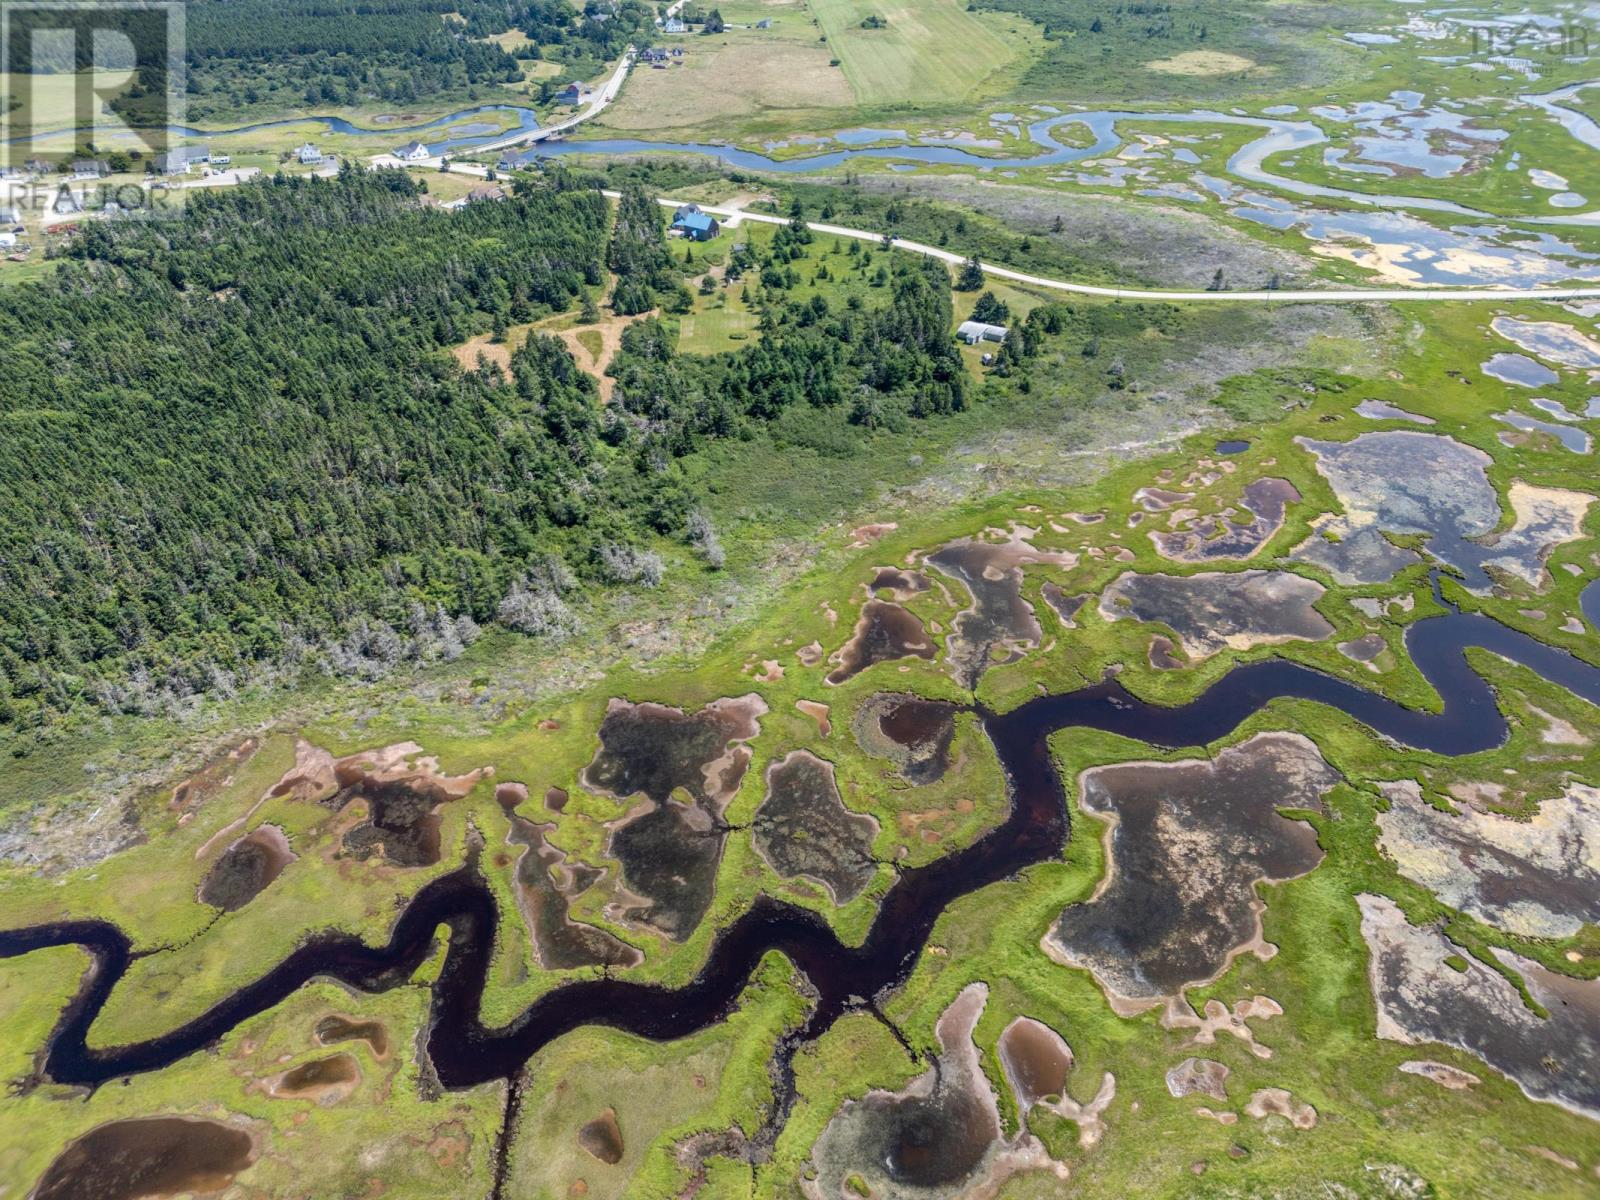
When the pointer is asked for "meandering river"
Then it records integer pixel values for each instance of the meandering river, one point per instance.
(1247, 164)
(465, 1052)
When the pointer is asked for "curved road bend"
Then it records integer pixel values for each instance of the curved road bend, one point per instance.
(1316, 296)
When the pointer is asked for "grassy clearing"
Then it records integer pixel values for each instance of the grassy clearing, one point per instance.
(933, 53)
(778, 77)
(32, 269)
(717, 324)
(727, 317)
(1101, 51)
(50, 101)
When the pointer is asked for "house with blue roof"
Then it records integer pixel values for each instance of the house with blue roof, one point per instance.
(690, 222)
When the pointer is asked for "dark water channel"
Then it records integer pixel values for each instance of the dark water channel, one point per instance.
(465, 1052)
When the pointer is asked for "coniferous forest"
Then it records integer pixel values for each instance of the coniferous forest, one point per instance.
(236, 443)
(278, 55)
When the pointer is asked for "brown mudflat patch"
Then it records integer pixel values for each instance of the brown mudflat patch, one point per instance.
(1186, 844)
(1217, 1017)
(213, 777)
(910, 731)
(1000, 626)
(1154, 500)
(246, 868)
(1446, 1076)
(1424, 995)
(1277, 1102)
(818, 712)
(509, 795)
(1198, 1076)
(1220, 610)
(883, 633)
(803, 828)
(148, 1156)
(546, 884)
(602, 1138)
(325, 1080)
(403, 790)
(1065, 607)
(669, 849)
(1162, 654)
(937, 1138)
(901, 585)
(1229, 534)
(1036, 1061)
(1363, 649)
(863, 536)
(337, 1027)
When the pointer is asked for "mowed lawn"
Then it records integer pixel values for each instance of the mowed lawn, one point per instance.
(711, 330)
(932, 51)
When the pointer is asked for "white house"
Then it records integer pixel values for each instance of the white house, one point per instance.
(674, 25)
(412, 151)
(973, 332)
(65, 202)
(309, 155)
(178, 162)
(10, 216)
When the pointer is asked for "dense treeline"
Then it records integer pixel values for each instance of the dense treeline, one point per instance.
(329, 54)
(598, 33)
(236, 444)
(638, 253)
(233, 437)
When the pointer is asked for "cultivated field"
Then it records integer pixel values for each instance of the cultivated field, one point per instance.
(932, 52)
(775, 76)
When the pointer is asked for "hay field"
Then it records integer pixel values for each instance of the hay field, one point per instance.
(745, 76)
(933, 52)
